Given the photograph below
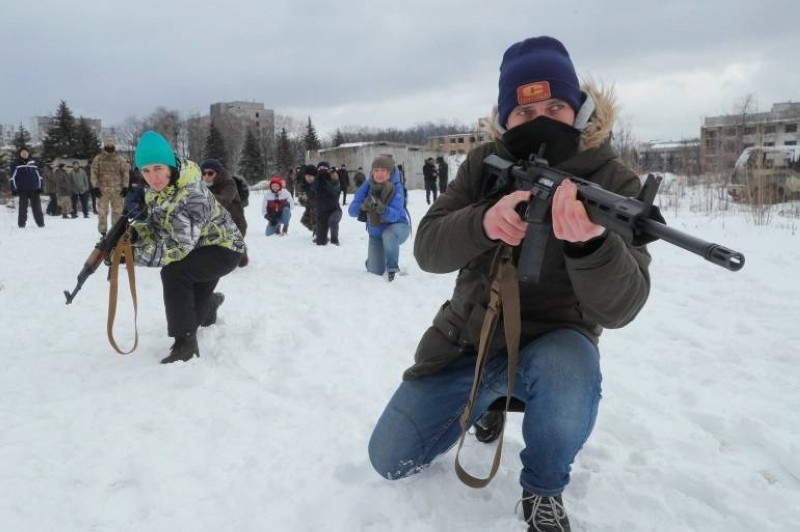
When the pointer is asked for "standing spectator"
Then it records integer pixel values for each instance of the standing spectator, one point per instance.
(292, 177)
(359, 178)
(344, 182)
(183, 230)
(429, 174)
(80, 187)
(64, 189)
(307, 197)
(329, 213)
(26, 182)
(50, 190)
(277, 208)
(380, 202)
(221, 183)
(444, 172)
(109, 179)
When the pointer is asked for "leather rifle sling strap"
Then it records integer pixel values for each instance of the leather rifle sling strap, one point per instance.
(123, 248)
(503, 300)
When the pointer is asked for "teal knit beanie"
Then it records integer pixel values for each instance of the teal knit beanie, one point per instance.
(154, 149)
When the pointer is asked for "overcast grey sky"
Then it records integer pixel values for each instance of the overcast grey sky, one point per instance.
(390, 63)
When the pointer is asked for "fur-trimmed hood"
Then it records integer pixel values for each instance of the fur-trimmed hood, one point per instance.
(601, 122)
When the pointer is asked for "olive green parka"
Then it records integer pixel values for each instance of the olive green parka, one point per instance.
(587, 292)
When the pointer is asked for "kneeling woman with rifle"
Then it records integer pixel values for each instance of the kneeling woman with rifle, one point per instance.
(183, 229)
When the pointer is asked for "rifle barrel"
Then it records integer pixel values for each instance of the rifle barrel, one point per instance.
(715, 253)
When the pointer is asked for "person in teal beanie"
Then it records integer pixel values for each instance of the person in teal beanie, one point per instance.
(180, 227)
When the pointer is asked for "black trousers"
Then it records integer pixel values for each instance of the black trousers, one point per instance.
(430, 186)
(32, 197)
(189, 283)
(325, 221)
(84, 199)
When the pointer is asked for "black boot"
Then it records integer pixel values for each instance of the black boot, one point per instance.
(489, 426)
(544, 514)
(217, 298)
(184, 348)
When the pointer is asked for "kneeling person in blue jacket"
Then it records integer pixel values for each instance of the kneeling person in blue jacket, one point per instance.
(380, 202)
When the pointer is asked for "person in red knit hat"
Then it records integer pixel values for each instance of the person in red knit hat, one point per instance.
(277, 207)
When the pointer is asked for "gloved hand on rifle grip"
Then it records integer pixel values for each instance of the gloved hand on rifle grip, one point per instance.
(135, 207)
(96, 192)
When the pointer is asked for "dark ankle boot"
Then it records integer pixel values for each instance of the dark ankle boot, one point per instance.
(184, 348)
(489, 426)
(217, 298)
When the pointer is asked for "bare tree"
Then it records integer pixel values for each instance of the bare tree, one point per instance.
(169, 123)
(128, 133)
(624, 143)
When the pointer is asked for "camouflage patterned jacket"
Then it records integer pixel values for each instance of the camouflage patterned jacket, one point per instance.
(110, 170)
(180, 218)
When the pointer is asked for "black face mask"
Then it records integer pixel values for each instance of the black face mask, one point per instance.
(109, 149)
(560, 140)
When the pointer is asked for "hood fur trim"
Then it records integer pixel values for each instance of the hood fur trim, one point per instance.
(600, 125)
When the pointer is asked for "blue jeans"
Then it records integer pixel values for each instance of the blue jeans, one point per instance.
(383, 253)
(286, 215)
(558, 379)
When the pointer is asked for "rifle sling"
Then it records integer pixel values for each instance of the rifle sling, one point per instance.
(123, 248)
(503, 300)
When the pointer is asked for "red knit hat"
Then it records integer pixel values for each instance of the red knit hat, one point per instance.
(276, 179)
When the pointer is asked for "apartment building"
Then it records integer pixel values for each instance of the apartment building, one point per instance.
(461, 143)
(723, 138)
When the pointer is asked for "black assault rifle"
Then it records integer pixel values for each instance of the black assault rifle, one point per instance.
(98, 255)
(636, 220)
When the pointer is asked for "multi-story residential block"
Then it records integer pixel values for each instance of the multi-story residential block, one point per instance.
(461, 143)
(233, 119)
(723, 138)
(676, 156)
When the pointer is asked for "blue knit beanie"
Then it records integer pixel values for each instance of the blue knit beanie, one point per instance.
(535, 70)
(154, 149)
(211, 164)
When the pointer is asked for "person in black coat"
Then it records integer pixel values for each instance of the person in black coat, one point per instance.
(26, 182)
(444, 172)
(329, 213)
(429, 173)
(344, 182)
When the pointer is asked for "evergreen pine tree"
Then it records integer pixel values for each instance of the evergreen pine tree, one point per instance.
(251, 164)
(87, 143)
(338, 139)
(5, 167)
(215, 145)
(61, 139)
(311, 139)
(285, 158)
(22, 139)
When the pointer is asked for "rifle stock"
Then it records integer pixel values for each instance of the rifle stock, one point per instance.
(103, 247)
(636, 220)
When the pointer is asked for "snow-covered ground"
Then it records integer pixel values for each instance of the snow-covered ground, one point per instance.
(698, 429)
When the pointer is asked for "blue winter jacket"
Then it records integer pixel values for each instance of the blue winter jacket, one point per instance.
(25, 176)
(395, 211)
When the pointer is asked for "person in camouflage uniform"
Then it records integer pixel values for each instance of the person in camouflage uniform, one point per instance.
(109, 180)
(180, 227)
